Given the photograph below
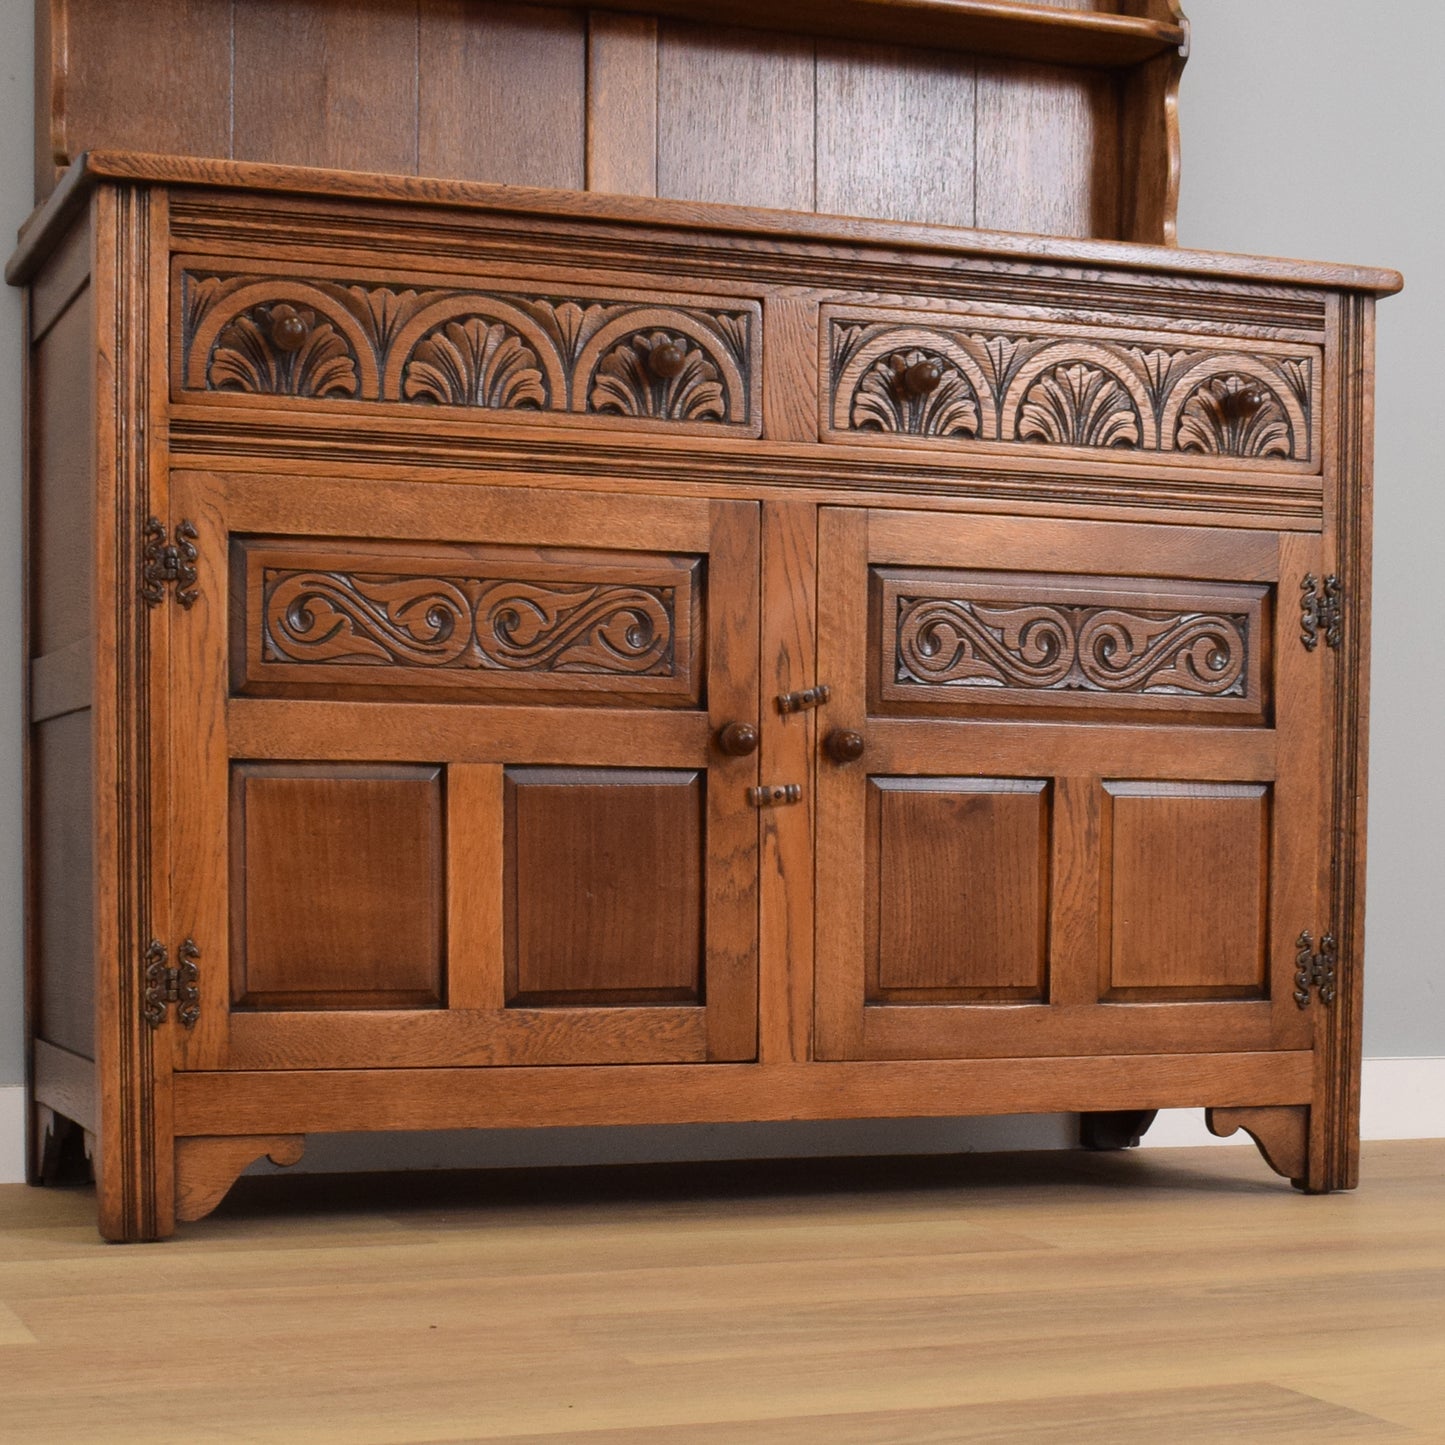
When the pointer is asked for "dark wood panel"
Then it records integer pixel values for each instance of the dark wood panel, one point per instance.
(1047, 157)
(337, 886)
(604, 886)
(63, 925)
(1185, 889)
(895, 133)
(153, 77)
(503, 93)
(735, 117)
(958, 905)
(327, 85)
(62, 463)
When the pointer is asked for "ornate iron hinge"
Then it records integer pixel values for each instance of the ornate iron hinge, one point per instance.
(166, 985)
(801, 701)
(1321, 611)
(1314, 970)
(173, 562)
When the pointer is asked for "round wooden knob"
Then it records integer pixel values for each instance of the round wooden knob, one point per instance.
(920, 378)
(289, 329)
(665, 360)
(1242, 404)
(844, 746)
(738, 739)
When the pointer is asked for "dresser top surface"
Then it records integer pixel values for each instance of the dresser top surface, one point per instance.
(49, 221)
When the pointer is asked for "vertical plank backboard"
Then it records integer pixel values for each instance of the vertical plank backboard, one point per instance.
(503, 94)
(327, 86)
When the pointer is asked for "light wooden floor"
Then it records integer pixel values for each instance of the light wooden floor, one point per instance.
(1158, 1296)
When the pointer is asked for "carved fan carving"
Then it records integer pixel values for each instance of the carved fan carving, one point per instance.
(657, 375)
(1078, 405)
(282, 350)
(942, 403)
(1234, 416)
(475, 363)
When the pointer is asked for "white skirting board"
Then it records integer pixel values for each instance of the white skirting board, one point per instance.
(1401, 1099)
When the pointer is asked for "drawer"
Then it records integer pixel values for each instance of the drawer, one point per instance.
(546, 352)
(988, 383)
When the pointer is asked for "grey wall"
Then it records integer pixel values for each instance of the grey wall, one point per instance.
(1314, 128)
(1306, 133)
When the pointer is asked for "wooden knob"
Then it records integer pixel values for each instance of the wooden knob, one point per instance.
(1242, 404)
(920, 378)
(665, 360)
(289, 329)
(844, 746)
(738, 739)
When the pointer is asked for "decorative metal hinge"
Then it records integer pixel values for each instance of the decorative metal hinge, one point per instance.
(1321, 611)
(801, 701)
(1314, 970)
(776, 795)
(166, 985)
(163, 562)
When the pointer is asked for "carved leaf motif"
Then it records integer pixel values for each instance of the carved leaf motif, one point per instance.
(475, 363)
(882, 403)
(575, 629)
(625, 384)
(1074, 404)
(335, 617)
(246, 358)
(959, 642)
(1214, 422)
(467, 622)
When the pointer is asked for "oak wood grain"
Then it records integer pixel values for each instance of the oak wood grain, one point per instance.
(503, 93)
(622, 103)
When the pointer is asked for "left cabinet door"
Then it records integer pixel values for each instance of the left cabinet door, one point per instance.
(452, 781)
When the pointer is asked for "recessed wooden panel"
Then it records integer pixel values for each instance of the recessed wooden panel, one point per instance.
(1047, 150)
(895, 133)
(337, 886)
(62, 777)
(960, 906)
(1185, 897)
(604, 886)
(62, 448)
(433, 622)
(327, 85)
(503, 93)
(735, 116)
(959, 640)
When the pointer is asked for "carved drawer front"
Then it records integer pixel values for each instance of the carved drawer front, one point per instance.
(966, 642)
(990, 383)
(482, 623)
(512, 352)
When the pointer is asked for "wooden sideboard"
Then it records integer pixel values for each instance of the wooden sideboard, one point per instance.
(507, 657)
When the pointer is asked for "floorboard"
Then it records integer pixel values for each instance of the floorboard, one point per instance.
(1180, 1295)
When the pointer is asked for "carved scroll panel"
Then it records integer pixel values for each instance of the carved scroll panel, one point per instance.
(648, 359)
(439, 622)
(960, 640)
(951, 381)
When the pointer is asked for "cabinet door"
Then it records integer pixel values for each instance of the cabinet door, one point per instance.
(1085, 818)
(447, 784)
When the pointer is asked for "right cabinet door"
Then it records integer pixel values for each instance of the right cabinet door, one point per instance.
(1068, 787)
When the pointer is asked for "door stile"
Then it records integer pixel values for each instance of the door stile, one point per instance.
(730, 915)
(200, 778)
(842, 788)
(1299, 834)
